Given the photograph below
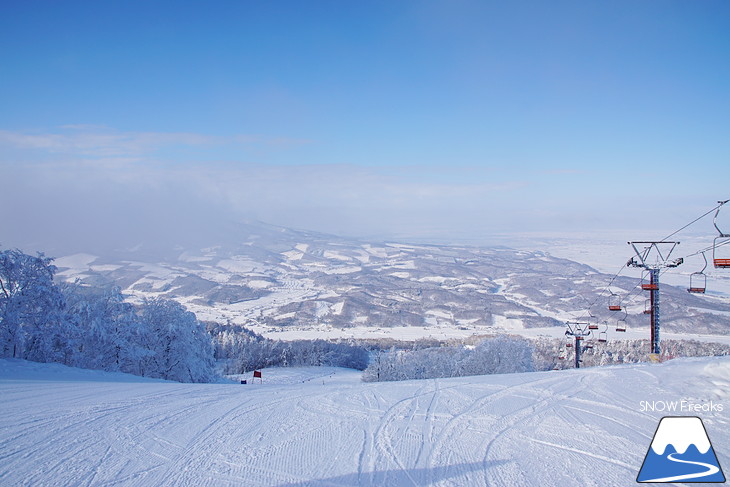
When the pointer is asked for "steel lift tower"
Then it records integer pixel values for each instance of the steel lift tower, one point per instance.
(579, 331)
(653, 257)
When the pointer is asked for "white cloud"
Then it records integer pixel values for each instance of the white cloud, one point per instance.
(119, 185)
(99, 141)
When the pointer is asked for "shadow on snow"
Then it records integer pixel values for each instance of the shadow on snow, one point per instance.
(416, 476)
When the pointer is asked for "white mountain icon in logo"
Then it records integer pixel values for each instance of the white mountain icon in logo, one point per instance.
(680, 451)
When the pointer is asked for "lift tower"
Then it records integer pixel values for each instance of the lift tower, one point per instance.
(578, 331)
(653, 257)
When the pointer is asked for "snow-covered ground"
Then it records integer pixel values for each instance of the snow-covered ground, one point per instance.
(309, 427)
(292, 285)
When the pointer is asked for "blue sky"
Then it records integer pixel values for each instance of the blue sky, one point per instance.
(448, 119)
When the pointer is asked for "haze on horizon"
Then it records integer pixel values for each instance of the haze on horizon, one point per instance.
(451, 121)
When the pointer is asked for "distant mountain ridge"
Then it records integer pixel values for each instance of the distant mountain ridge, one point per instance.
(274, 278)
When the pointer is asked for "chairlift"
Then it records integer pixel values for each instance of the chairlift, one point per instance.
(603, 335)
(647, 307)
(569, 345)
(621, 324)
(720, 260)
(588, 346)
(646, 283)
(614, 302)
(698, 280)
(592, 327)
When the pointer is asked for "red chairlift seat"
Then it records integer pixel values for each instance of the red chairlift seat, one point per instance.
(588, 347)
(698, 280)
(621, 328)
(646, 283)
(722, 261)
(592, 327)
(569, 345)
(614, 308)
(603, 336)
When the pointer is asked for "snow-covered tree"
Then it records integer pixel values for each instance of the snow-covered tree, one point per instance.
(181, 347)
(104, 329)
(92, 328)
(31, 307)
(499, 355)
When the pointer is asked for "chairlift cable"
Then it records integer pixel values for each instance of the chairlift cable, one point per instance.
(694, 221)
(707, 249)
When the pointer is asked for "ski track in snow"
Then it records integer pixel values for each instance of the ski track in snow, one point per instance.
(568, 428)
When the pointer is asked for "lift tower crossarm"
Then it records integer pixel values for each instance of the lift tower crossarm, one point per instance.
(663, 260)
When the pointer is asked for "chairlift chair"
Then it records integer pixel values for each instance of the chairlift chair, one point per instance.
(603, 335)
(614, 302)
(646, 283)
(720, 260)
(592, 327)
(697, 283)
(621, 323)
(647, 307)
(698, 280)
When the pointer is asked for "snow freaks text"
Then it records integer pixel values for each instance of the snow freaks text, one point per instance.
(682, 406)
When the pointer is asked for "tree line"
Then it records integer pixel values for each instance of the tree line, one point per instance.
(496, 355)
(240, 350)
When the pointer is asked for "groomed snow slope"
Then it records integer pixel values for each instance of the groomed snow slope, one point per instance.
(62, 426)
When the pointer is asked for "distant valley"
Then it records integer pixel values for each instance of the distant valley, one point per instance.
(289, 283)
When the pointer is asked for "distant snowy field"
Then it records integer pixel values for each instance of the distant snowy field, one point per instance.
(609, 253)
(323, 426)
(300, 300)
